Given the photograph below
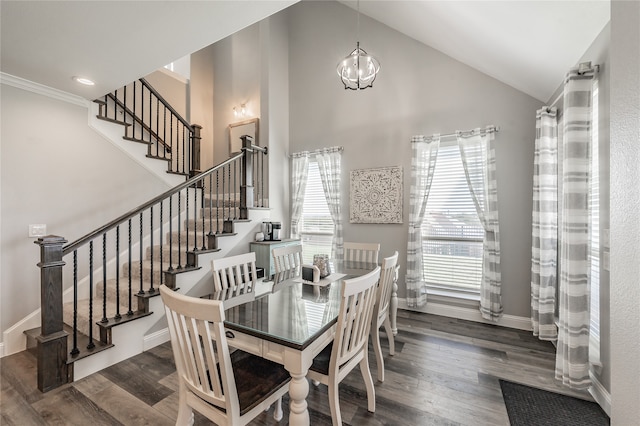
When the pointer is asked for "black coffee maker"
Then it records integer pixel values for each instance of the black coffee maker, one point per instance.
(271, 231)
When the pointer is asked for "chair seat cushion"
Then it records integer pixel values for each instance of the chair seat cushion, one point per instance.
(256, 378)
(321, 361)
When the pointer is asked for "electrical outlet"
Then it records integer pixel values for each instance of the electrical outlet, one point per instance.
(37, 230)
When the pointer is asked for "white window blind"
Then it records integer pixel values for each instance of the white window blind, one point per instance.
(452, 233)
(594, 199)
(316, 227)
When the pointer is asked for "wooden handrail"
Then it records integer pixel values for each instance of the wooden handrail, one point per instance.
(167, 104)
(111, 225)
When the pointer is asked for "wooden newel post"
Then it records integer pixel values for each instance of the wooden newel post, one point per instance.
(53, 370)
(195, 150)
(246, 186)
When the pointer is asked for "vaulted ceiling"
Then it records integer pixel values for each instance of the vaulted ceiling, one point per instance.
(526, 44)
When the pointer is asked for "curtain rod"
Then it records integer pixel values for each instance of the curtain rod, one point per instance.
(468, 133)
(582, 68)
(317, 151)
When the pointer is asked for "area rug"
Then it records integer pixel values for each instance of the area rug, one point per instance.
(527, 406)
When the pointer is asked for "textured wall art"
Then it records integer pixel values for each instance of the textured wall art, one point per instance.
(376, 195)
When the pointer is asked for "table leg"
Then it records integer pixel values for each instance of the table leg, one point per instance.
(393, 309)
(298, 391)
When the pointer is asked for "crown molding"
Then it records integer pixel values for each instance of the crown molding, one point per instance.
(40, 89)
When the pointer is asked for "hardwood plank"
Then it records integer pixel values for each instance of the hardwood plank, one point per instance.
(71, 407)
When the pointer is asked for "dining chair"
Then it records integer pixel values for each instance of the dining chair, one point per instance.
(236, 273)
(360, 255)
(350, 344)
(381, 311)
(227, 388)
(287, 257)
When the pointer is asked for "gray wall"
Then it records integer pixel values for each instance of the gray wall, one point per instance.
(50, 175)
(418, 91)
(625, 227)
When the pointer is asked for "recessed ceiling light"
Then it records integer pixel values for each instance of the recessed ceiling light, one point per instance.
(84, 81)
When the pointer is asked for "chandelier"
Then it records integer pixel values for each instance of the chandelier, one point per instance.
(359, 69)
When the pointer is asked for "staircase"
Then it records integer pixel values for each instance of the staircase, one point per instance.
(110, 310)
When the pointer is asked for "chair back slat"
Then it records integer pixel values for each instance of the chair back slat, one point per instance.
(287, 257)
(361, 255)
(200, 348)
(387, 276)
(354, 317)
(235, 273)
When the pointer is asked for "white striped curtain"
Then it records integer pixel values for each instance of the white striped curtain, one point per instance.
(330, 174)
(423, 164)
(299, 175)
(572, 356)
(544, 248)
(479, 161)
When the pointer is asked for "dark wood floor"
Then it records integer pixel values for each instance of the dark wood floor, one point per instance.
(445, 372)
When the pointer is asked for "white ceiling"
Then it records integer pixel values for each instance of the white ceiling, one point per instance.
(527, 44)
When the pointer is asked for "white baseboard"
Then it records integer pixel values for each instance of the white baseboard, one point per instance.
(1, 349)
(470, 313)
(154, 339)
(600, 394)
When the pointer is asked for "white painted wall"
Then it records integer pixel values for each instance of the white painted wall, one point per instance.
(418, 91)
(625, 226)
(49, 174)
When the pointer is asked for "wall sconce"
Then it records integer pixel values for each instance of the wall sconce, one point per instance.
(240, 111)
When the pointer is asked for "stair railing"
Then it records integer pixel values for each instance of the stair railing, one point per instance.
(130, 257)
(148, 118)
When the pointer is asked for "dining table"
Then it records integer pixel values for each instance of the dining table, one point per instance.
(289, 321)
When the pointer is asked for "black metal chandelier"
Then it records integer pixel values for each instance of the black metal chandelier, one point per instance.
(358, 70)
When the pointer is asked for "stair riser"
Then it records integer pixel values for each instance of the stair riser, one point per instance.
(146, 275)
(83, 315)
(190, 238)
(176, 257)
(198, 226)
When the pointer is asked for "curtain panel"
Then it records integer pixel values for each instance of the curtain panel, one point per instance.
(423, 164)
(299, 175)
(544, 235)
(329, 165)
(572, 356)
(479, 161)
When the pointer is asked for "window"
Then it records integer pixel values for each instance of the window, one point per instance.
(316, 224)
(594, 200)
(452, 234)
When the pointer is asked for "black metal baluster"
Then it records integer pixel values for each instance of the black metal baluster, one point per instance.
(171, 233)
(195, 218)
(91, 345)
(235, 189)
(150, 117)
(187, 225)
(151, 289)
(157, 127)
(262, 178)
(178, 146)
(204, 246)
(118, 316)
(115, 105)
(130, 312)
(124, 112)
(104, 319)
(135, 111)
(141, 291)
(142, 112)
(161, 244)
(218, 199)
(164, 132)
(179, 233)
(171, 143)
(75, 350)
(184, 149)
(229, 193)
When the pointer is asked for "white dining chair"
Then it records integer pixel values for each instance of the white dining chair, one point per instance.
(360, 255)
(381, 311)
(287, 257)
(227, 388)
(350, 345)
(235, 273)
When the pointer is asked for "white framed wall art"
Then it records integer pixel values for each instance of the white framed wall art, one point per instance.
(376, 195)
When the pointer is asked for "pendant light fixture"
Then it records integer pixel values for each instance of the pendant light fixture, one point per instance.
(359, 69)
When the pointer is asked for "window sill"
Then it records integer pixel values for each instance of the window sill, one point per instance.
(442, 294)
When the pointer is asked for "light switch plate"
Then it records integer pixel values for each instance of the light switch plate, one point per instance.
(37, 230)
